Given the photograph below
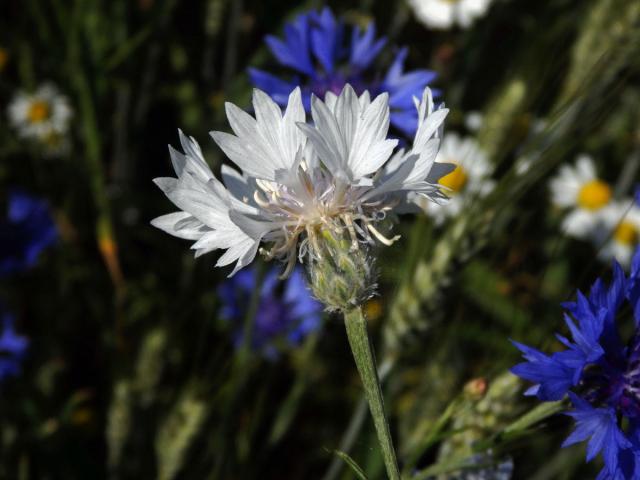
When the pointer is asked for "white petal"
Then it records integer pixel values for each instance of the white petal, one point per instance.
(253, 228)
(240, 187)
(242, 124)
(327, 137)
(267, 146)
(166, 184)
(247, 156)
(439, 170)
(370, 149)
(181, 225)
(428, 127)
(207, 208)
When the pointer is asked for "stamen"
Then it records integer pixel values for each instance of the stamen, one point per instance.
(260, 200)
(382, 238)
(264, 185)
(291, 263)
(352, 232)
(311, 235)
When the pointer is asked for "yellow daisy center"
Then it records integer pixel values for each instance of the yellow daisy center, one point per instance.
(38, 111)
(627, 234)
(455, 180)
(594, 195)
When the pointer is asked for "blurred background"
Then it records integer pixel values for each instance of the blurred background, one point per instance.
(122, 356)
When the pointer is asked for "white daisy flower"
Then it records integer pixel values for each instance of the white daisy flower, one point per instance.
(42, 115)
(300, 182)
(473, 121)
(578, 188)
(470, 179)
(618, 226)
(444, 14)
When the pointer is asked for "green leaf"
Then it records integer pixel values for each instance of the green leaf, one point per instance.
(351, 462)
(540, 412)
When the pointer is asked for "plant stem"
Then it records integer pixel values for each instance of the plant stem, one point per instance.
(363, 355)
(358, 417)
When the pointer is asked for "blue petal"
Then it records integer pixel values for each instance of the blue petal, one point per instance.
(13, 348)
(406, 121)
(628, 466)
(294, 50)
(552, 375)
(363, 48)
(299, 299)
(601, 426)
(28, 230)
(270, 283)
(394, 74)
(402, 87)
(409, 86)
(633, 287)
(277, 88)
(286, 312)
(245, 280)
(326, 37)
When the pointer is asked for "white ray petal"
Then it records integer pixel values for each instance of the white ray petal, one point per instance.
(181, 225)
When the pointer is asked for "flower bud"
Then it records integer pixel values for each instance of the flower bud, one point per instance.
(341, 274)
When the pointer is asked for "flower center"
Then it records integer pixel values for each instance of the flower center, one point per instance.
(335, 83)
(455, 180)
(313, 207)
(630, 400)
(594, 195)
(38, 111)
(626, 233)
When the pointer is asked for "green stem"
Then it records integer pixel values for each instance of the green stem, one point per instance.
(363, 355)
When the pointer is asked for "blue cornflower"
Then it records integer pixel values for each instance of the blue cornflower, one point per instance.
(13, 348)
(599, 371)
(316, 46)
(26, 231)
(286, 310)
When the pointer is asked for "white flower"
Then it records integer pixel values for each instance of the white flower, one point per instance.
(297, 180)
(578, 189)
(618, 232)
(42, 115)
(473, 121)
(444, 14)
(469, 181)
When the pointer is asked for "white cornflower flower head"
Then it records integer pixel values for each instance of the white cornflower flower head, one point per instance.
(618, 226)
(444, 14)
(299, 181)
(578, 189)
(470, 180)
(40, 115)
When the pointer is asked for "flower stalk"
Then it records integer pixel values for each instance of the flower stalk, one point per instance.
(362, 350)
